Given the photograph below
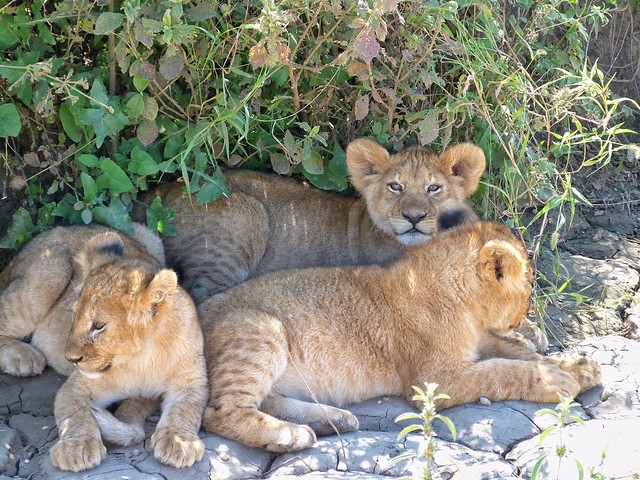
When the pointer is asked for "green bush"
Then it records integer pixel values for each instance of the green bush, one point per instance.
(102, 98)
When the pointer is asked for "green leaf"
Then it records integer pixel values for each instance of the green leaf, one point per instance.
(535, 471)
(407, 430)
(338, 162)
(65, 210)
(407, 416)
(312, 161)
(20, 230)
(9, 121)
(89, 187)
(7, 36)
(447, 421)
(99, 93)
(202, 11)
(87, 216)
(159, 218)
(92, 116)
(150, 108)
(89, 160)
(280, 163)
(113, 177)
(142, 163)
(135, 105)
(69, 123)
(140, 83)
(213, 188)
(114, 216)
(107, 22)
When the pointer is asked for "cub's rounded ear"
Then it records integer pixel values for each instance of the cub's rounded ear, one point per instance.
(503, 263)
(365, 159)
(100, 250)
(467, 161)
(164, 284)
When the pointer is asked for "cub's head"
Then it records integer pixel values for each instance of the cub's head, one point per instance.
(505, 279)
(118, 305)
(415, 193)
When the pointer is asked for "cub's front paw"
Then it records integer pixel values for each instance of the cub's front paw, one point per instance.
(176, 449)
(532, 333)
(21, 360)
(554, 381)
(584, 369)
(77, 455)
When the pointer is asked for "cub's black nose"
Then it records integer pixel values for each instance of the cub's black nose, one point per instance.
(414, 216)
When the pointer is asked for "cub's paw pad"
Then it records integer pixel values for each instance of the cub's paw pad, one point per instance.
(292, 439)
(337, 420)
(176, 449)
(584, 369)
(22, 360)
(77, 455)
(554, 381)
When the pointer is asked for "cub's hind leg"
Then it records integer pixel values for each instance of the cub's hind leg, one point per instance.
(247, 352)
(323, 419)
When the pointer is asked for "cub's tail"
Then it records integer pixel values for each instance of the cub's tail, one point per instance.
(115, 431)
(150, 240)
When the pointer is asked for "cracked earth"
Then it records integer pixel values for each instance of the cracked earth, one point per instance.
(600, 253)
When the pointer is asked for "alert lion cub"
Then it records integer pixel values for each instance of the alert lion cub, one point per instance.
(272, 223)
(135, 334)
(443, 312)
(36, 302)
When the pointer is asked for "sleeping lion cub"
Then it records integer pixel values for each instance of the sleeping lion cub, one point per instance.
(443, 312)
(274, 223)
(135, 334)
(36, 302)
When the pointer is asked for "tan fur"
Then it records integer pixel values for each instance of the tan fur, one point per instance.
(135, 334)
(41, 288)
(443, 312)
(273, 223)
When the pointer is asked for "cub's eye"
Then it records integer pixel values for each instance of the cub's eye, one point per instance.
(434, 189)
(395, 187)
(96, 327)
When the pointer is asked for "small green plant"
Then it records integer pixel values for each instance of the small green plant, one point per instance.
(427, 398)
(563, 418)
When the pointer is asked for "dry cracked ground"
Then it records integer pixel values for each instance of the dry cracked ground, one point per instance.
(600, 254)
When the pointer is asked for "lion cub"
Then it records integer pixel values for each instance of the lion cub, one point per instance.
(36, 302)
(135, 334)
(272, 223)
(443, 312)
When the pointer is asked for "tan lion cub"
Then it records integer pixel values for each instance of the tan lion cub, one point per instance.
(442, 312)
(36, 302)
(274, 223)
(135, 334)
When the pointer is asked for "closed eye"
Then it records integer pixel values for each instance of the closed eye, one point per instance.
(97, 327)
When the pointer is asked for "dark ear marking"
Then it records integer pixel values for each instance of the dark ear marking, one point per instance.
(115, 248)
